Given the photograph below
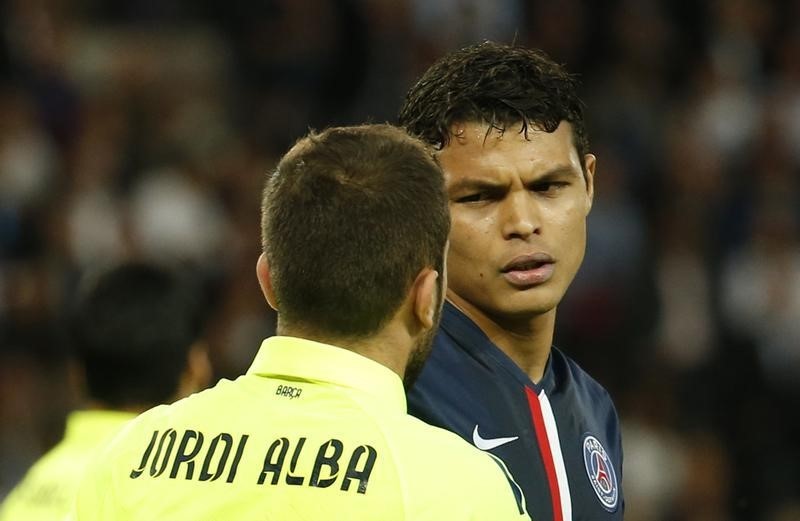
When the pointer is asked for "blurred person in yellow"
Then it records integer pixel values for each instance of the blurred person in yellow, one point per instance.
(354, 231)
(135, 331)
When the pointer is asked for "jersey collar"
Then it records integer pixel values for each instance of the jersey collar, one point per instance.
(302, 359)
(472, 338)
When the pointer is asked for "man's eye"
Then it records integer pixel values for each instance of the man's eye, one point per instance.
(472, 198)
(549, 187)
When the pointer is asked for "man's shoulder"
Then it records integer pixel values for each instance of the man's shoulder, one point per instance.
(64, 460)
(456, 470)
(415, 431)
(437, 455)
(568, 372)
(192, 411)
(48, 487)
(429, 443)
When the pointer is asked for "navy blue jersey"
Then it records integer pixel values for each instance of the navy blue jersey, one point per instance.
(560, 438)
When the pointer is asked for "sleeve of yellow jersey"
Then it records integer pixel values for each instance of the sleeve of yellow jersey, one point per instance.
(504, 498)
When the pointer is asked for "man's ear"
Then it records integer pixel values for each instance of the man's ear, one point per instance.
(591, 163)
(426, 297)
(265, 281)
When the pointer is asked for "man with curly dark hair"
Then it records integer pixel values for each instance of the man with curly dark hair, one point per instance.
(511, 139)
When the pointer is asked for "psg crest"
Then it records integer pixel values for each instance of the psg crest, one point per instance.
(601, 472)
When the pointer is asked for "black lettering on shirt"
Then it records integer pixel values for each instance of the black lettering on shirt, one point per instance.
(291, 479)
(227, 439)
(186, 457)
(135, 473)
(361, 475)
(191, 449)
(237, 458)
(288, 390)
(172, 436)
(273, 464)
(324, 460)
(325, 470)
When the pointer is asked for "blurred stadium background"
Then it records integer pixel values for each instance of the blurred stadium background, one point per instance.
(143, 129)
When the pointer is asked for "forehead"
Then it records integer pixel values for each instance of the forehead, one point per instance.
(477, 149)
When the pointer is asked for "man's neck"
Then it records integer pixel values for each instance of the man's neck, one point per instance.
(526, 341)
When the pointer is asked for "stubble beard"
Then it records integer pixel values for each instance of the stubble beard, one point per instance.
(418, 357)
(422, 348)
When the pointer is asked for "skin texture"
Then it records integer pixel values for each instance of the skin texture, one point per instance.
(511, 197)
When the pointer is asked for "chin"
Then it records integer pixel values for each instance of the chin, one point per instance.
(530, 310)
(529, 304)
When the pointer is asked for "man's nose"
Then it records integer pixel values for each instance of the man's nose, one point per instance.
(521, 216)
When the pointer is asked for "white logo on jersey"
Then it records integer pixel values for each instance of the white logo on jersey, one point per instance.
(489, 443)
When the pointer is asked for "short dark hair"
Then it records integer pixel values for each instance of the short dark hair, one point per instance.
(132, 329)
(349, 218)
(497, 84)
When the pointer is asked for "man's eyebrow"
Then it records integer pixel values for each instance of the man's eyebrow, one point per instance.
(475, 183)
(490, 183)
(558, 171)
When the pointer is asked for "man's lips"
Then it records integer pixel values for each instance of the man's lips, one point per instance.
(529, 270)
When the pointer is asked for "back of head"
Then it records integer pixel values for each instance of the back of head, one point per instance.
(350, 217)
(498, 84)
(133, 328)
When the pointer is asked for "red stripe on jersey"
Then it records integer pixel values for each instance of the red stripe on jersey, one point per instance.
(545, 451)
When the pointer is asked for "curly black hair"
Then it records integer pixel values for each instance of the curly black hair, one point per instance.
(498, 84)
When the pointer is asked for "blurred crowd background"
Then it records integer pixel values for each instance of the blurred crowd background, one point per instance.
(144, 128)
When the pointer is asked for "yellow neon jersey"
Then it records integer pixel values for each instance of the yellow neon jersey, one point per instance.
(48, 489)
(311, 432)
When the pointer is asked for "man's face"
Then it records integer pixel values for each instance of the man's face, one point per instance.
(518, 208)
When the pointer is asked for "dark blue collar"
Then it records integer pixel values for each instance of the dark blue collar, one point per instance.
(472, 339)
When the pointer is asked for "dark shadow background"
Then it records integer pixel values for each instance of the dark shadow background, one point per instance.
(143, 129)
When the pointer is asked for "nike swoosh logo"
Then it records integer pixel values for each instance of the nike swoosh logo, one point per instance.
(489, 443)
